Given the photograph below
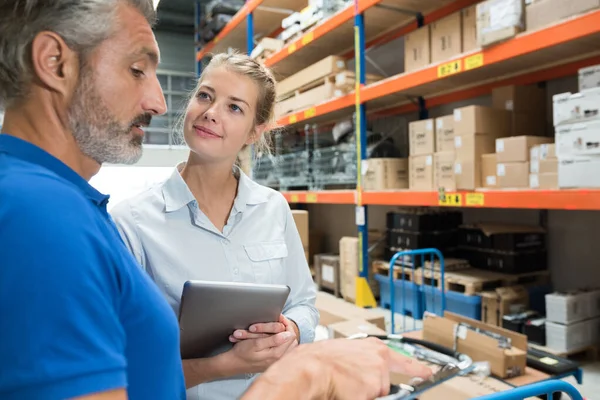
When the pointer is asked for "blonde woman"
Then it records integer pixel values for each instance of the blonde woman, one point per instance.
(209, 221)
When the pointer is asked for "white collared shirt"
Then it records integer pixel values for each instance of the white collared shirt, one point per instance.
(174, 242)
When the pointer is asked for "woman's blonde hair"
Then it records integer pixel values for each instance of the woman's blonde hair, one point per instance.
(263, 77)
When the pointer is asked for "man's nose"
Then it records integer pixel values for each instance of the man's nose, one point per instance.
(154, 99)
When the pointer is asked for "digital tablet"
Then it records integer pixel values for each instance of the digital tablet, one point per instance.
(211, 311)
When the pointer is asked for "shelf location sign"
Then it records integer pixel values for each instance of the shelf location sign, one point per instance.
(292, 48)
(474, 61)
(311, 112)
(451, 68)
(475, 199)
(293, 119)
(450, 200)
(311, 198)
(306, 39)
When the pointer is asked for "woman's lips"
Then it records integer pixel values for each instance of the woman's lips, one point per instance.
(206, 133)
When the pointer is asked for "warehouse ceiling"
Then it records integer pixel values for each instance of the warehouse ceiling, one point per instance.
(177, 16)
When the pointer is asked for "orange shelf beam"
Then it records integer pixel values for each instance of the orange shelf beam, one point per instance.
(325, 108)
(576, 199)
(527, 43)
(322, 197)
(237, 19)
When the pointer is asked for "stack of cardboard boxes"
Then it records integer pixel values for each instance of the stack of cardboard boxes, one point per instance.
(543, 167)
(441, 40)
(577, 132)
(572, 320)
(422, 147)
(385, 173)
(301, 220)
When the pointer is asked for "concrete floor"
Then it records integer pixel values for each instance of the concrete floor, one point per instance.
(590, 389)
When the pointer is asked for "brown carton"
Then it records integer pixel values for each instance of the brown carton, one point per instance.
(543, 152)
(503, 301)
(488, 170)
(301, 220)
(519, 99)
(421, 173)
(444, 133)
(480, 120)
(446, 38)
(546, 181)
(385, 174)
(545, 12)
(454, 331)
(421, 137)
(470, 148)
(349, 268)
(469, 28)
(513, 175)
(417, 49)
(517, 148)
(332, 310)
(318, 70)
(345, 329)
(443, 165)
(549, 166)
(327, 272)
(528, 124)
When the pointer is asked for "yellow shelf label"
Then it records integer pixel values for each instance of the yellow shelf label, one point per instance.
(217, 39)
(474, 61)
(295, 198)
(311, 198)
(293, 119)
(306, 39)
(292, 48)
(475, 199)
(451, 68)
(450, 200)
(311, 112)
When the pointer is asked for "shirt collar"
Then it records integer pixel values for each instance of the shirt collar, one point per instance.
(177, 195)
(33, 154)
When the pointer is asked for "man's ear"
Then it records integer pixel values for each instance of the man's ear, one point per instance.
(55, 65)
(256, 134)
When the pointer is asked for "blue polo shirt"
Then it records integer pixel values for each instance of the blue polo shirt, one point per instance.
(77, 313)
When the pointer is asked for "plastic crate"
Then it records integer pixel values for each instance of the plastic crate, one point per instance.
(465, 305)
(413, 300)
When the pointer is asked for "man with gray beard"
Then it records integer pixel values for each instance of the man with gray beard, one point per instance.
(78, 317)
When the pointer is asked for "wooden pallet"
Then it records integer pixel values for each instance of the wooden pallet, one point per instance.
(343, 81)
(450, 265)
(469, 281)
(383, 268)
(590, 353)
(528, 279)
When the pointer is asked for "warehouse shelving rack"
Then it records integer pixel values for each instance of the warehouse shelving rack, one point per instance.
(549, 53)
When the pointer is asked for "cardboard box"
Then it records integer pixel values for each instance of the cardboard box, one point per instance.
(301, 220)
(446, 40)
(333, 310)
(345, 329)
(519, 99)
(479, 120)
(470, 148)
(542, 13)
(421, 173)
(349, 268)
(513, 175)
(547, 181)
(582, 6)
(316, 95)
(488, 170)
(543, 152)
(327, 272)
(421, 137)
(568, 307)
(443, 165)
(589, 78)
(579, 172)
(504, 363)
(528, 124)
(444, 133)
(578, 139)
(499, 20)
(544, 166)
(576, 107)
(503, 301)
(518, 148)
(385, 174)
(469, 28)
(267, 46)
(318, 70)
(417, 49)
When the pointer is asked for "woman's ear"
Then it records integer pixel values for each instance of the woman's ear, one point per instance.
(256, 134)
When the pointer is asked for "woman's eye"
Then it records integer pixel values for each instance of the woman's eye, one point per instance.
(137, 73)
(203, 96)
(235, 108)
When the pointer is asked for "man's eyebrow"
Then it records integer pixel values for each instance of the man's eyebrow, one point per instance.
(151, 54)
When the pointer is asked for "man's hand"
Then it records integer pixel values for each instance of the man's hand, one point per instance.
(263, 330)
(338, 369)
(256, 355)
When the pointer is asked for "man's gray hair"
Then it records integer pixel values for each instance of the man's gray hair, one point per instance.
(83, 25)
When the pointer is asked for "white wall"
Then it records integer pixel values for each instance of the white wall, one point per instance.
(176, 51)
